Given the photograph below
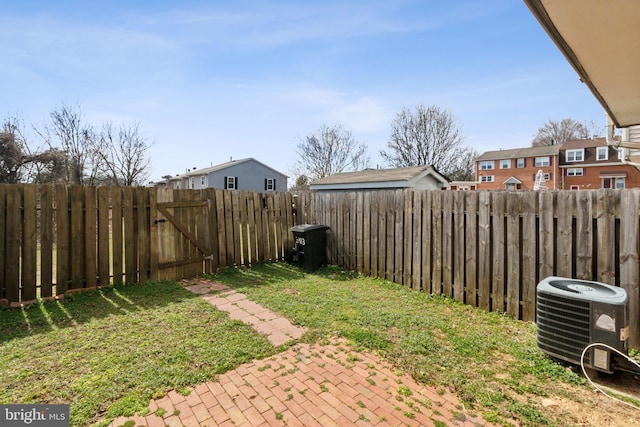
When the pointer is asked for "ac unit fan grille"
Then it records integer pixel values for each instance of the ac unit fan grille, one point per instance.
(563, 326)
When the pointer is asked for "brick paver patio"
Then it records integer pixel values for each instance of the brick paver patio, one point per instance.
(323, 384)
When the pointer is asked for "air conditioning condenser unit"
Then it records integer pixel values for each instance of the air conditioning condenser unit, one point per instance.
(572, 314)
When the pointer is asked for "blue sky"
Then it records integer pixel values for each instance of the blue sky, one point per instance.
(211, 80)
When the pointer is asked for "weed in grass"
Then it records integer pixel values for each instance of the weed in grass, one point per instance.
(264, 368)
(129, 423)
(438, 423)
(360, 404)
(362, 417)
(436, 412)
(288, 389)
(323, 388)
(382, 418)
(276, 383)
(279, 416)
(400, 398)
(322, 365)
(397, 408)
(302, 392)
(370, 365)
(409, 414)
(160, 412)
(371, 381)
(175, 413)
(409, 404)
(289, 396)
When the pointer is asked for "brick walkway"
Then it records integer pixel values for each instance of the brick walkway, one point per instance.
(323, 384)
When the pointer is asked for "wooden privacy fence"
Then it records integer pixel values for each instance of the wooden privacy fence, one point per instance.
(55, 239)
(486, 249)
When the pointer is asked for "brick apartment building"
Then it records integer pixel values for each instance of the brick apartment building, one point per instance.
(574, 165)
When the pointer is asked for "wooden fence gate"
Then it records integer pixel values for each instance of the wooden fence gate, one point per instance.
(184, 243)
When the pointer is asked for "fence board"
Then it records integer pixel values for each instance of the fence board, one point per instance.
(77, 238)
(471, 248)
(397, 235)
(130, 264)
(447, 244)
(436, 247)
(564, 243)
(29, 242)
(529, 279)
(416, 229)
(485, 250)
(117, 243)
(46, 241)
(63, 266)
(153, 237)
(407, 239)
(584, 235)
(458, 249)
(366, 229)
(144, 237)
(242, 226)
(104, 238)
(606, 238)
(391, 241)
(257, 204)
(359, 223)
(90, 235)
(229, 229)
(426, 242)
(513, 254)
(498, 252)
(375, 223)
(546, 233)
(13, 228)
(382, 232)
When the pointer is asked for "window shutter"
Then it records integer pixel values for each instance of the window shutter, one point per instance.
(274, 184)
(265, 184)
(236, 183)
(225, 183)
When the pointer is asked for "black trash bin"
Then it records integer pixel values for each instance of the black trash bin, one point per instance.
(311, 246)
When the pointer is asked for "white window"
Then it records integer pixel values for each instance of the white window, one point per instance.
(520, 163)
(487, 178)
(486, 165)
(613, 182)
(203, 181)
(602, 153)
(270, 184)
(505, 164)
(575, 172)
(230, 182)
(543, 161)
(575, 155)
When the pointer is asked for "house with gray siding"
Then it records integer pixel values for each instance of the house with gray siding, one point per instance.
(244, 174)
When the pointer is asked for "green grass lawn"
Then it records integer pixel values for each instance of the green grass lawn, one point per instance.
(108, 352)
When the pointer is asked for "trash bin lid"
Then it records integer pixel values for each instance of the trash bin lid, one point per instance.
(302, 228)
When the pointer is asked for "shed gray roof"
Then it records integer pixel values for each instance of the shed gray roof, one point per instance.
(377, 175)
(547, 150)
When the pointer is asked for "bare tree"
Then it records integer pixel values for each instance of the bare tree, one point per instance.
(463, 164)
(124, 154)
(555, 132)
(425, 136)
(76, 140)
(11, 159)
(329, 151)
